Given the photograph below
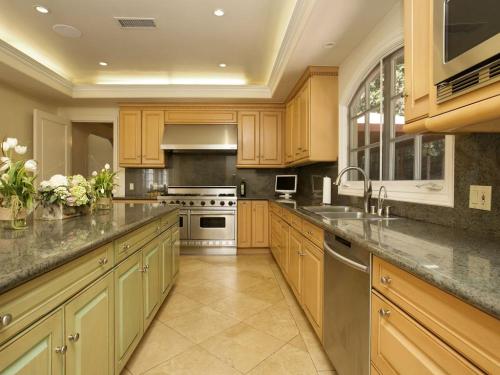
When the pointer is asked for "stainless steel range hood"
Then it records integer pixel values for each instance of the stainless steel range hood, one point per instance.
(200, 137)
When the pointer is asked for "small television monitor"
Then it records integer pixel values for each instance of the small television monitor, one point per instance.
(286, 184)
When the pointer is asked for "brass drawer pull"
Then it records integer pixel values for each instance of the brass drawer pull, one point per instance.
(102, 261)
(144, 269)
(386, 280)
(5, 320)
(61, 349)
(75, 337)
(126, 246)
(384, 313)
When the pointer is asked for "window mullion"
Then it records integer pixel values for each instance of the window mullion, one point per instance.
(417, 174)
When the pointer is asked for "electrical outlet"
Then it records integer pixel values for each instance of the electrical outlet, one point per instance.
(131, 186)
(480, 197)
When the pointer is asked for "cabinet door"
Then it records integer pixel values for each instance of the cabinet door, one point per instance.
(295, 262)
(244, 224)
(34, 351)
(128, 308)
(417, 58)
(167, 267)
(289, 125)
(271, 128)
(89, 320)
(152, 135)
(176, 250)
(151, 279)
(130, 138)
(260, 224)
(312, 285)
(248, 138)
(285, 251)
(399, 344)
(296, 127)
(275, 242)
(304, 120)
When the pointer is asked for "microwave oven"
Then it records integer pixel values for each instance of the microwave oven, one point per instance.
(466, 45)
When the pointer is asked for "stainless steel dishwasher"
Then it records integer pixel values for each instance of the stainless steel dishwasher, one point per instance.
(346, 335)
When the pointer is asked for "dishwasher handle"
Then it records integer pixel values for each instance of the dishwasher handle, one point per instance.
(345, 260)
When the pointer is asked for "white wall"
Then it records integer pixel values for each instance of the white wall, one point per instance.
(387, 36)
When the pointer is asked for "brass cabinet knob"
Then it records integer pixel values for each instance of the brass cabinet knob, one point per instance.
(386, 280)
(102, 261)
(61, 349)
(5, 320)
(384, 313)
(74, 337)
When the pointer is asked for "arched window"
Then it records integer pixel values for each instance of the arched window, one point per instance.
(377, 144)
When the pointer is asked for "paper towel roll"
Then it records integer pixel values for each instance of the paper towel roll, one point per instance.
(327, 190)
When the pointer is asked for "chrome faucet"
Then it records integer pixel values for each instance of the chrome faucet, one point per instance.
(367, 195)
(380, 201)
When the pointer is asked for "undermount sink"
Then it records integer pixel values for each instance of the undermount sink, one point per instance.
(343, 213)
(328, 209)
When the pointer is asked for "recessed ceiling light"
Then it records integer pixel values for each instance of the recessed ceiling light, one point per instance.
(329, 45)
(102, 63)
(67, 31)
(222, 65)
(41, 9)
(219, 12)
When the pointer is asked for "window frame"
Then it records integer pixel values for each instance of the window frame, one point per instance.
(433, 192)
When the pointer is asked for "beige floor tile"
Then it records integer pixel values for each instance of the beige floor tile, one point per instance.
(287, 361)
(298, 342)
(240, 306)
(206, 292)
(276, 321)
(176, 305)
(316, 351)
(242, 346)
(330, 372)
(125, 372)
(239, 279)
(267, 291)
(193, 362)
(158, 344)
(202, 323)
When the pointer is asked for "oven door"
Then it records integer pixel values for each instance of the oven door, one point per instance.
(212, 225)
(183, 225)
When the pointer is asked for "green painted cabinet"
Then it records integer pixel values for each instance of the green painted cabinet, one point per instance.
(128, 308)
(176, 249)
(39, 350)
(151, 279)
(89, 319)
(167, 260)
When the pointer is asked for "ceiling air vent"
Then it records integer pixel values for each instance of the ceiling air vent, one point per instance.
(136, 22)
(485, 74)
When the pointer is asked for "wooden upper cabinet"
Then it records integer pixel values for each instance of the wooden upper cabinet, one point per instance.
(312, 110)
(260, 139)
(248, 138)
(244, 224)
(130, 138)
(200, 116)
(417, 58)
(271, 144)
(152, 134)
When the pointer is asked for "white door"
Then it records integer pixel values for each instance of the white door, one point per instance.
(51, 144)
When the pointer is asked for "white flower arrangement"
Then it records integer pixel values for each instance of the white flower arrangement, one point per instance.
(72, 191)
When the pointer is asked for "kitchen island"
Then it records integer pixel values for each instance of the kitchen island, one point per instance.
(80, 293)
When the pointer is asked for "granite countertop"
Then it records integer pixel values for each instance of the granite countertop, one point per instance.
(455, 261)
(45, 245)
(134, 197)
(255, 197)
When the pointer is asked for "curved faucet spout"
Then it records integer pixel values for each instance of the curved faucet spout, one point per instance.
(367, 185)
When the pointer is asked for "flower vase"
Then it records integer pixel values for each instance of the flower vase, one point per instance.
(104, 203)
(58, 211)
(8, 221)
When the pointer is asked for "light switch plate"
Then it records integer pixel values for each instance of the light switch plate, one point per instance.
(480, 197)
(131, 186)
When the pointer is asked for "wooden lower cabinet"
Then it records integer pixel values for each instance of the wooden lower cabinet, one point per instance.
(312, 285)
(402, 346)
(151, 269)
(34, 352)
(253, 224)
(245, 224)
(89, 329)
(295, 262)
(284, 248)
(128, 308)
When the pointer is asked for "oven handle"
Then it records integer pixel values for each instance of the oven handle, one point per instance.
(214, 212)
(346, 261)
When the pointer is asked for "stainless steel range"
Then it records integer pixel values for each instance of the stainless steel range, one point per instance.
(207, 218)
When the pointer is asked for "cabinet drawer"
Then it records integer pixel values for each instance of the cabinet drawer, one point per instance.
(37, 297)
(169, 220)
(276, 209)
(296, 222)
(313, 233)
(129, 243)
(469, 331)
(399, 343)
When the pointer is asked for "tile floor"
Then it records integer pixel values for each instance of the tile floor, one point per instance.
(229, 315)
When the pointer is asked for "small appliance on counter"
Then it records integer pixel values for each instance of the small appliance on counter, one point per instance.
(243, 188)
(286, 184)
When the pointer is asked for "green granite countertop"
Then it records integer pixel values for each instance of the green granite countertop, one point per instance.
(462, 264)
(45, 245)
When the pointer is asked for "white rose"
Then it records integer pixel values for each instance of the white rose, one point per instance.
(5, 146)
(30, 165)
(12, 142)
(58, 180)
(113, 191)
(44, 184)
(5, 163)
(106, 166)
(94, 173)
(21, 150)
(102, 191)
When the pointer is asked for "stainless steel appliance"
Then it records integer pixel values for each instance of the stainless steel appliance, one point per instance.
(466, 45)
(207, 218)
(346, 332)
